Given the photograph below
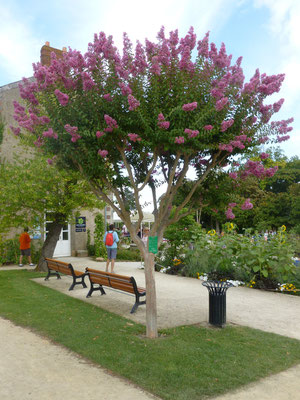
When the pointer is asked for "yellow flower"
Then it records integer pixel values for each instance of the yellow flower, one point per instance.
(283, 228)
(212, 232)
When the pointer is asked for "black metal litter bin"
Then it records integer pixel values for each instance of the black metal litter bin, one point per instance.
(217, 301)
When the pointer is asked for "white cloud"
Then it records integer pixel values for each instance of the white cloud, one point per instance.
(18, 46)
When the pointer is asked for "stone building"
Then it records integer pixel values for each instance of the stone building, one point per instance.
(73, 238)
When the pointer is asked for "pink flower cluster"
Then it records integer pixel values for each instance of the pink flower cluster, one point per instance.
(111, 123)
(107, 97)
(50, 161)
(72, 130)
(190, 106)
(233, 175)
(102, 153)
(27, 121)
(264, 156)
(16, 131)
(87, 81)
(231, 205)
(257, 169)
(39, 142)
(226, 124)
(282, 138)
(229, 213)
(134, 137)
(179, 140)
(247, 205)
(191, 133)
(263, 139)
(125, 90)
(162, 123)
(99, 134)
(208, 127)
(220, 104)
(50, 134)
(28, 90)
(239, 143)
(61, 97)
(133, 102)
(277, 105)
(270, 84)
(282, 126)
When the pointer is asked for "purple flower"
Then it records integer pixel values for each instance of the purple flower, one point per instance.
(231, 205)
(190, 106)
(233, 175)
(102, 153)
(208, 127)
(61, 97)
(99, 134)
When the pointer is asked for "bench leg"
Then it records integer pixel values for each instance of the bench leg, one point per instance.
(136, 304)
(52, 274)
(92, 289)
(81, 282)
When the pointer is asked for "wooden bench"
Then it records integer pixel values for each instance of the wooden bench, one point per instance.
(55, 268)
(121, 283)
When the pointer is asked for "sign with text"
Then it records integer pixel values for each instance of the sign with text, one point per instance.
(80, 224)
(153, 244)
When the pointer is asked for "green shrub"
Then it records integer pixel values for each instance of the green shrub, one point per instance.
(10, 251)
(128, 255)
(100, 249)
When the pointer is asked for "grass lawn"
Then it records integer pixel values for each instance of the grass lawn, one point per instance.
(188, 362)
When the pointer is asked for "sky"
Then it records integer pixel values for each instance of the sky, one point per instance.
(265, 32)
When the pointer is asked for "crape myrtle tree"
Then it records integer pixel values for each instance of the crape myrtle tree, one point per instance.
(144, 117)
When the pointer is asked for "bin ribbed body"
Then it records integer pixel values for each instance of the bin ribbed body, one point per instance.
(217, 301)
(217, 309)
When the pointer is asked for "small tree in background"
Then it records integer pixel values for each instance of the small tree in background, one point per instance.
(32, 188)
(144, 118)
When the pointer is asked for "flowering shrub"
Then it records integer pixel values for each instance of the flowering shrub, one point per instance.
(263, 264)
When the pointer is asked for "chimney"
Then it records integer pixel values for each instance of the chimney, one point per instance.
(46, 51)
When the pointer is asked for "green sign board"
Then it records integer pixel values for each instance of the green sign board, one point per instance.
(153, 244)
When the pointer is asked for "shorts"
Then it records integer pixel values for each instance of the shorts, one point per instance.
(111, 253)
(25, 252)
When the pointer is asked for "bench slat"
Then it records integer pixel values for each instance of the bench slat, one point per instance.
(115, 281)
(62, 267)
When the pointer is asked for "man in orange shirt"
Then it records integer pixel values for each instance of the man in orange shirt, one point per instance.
(25, 247)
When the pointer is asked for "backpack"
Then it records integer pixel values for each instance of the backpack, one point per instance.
(109, 240)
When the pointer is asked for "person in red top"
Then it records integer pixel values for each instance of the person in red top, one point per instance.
(25, 247)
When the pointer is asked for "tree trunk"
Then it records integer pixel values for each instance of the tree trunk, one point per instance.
(151, 310)
(49, 245)
(217, 227)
